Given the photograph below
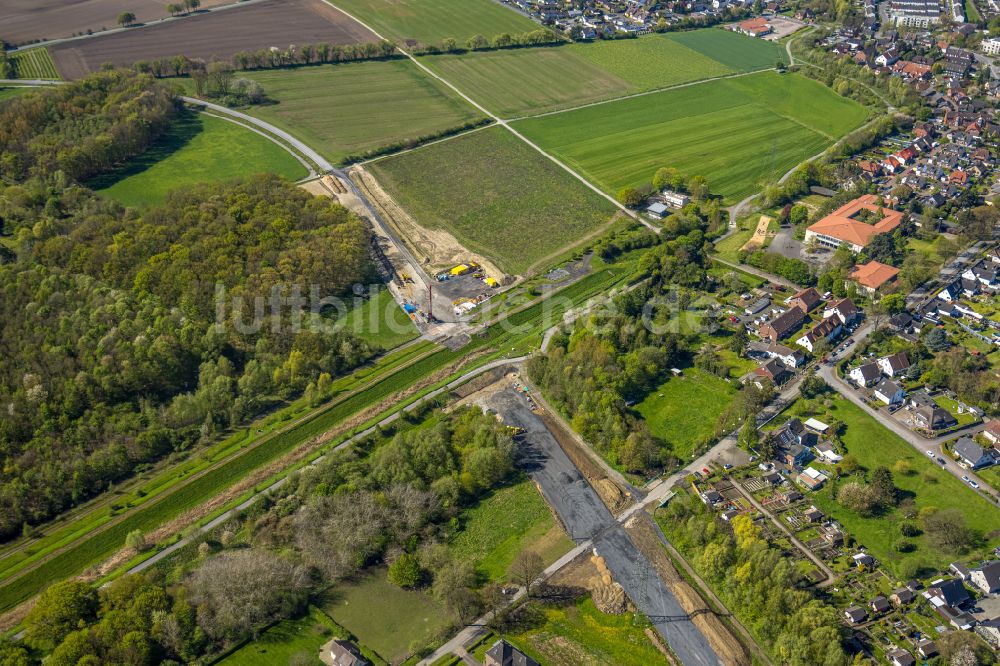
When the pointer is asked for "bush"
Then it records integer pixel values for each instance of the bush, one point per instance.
(405, 571)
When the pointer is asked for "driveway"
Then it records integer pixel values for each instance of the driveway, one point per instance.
(586, 518)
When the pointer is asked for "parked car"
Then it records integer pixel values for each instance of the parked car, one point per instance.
(973, 484)
(930, 454)
(941, 461)
(966, 479)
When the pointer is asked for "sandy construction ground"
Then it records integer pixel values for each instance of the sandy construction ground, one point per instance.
(220, 34)
(31, 20)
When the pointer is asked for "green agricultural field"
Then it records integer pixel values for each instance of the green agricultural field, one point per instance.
(500, 526)
(519, 81)
(927, 485)
(34, 64)
(739, 133)
(580, 634)
(742, 53)
(198, 148)
(497, 196)
(380, 321)
(530, 81)
(430, 21)
(386, 618)
(352, 108)
(683, 410)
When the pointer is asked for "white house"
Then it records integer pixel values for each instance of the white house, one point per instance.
(889, 392)
(844, 309)
(657, 210)
(865, 374)
(894, 364)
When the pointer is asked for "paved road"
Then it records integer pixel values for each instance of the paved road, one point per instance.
(777, 279)
(587, 519)
(829, 374)
(318, 159)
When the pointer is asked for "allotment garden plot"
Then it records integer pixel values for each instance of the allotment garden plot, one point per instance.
(496, 195)
(530, 81)
(430, 21)
(739, 133)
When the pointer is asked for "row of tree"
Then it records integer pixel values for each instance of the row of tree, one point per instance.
(504, 40)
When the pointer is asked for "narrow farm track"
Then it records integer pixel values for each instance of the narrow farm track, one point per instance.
(500, 121)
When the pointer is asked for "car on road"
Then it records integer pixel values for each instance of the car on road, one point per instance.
(973, 484)
(930, 454)
(966, 479)
(704, 470)
(850, 341)
(727, 466)
(941, 461)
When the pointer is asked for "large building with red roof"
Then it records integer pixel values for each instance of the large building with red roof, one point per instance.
(852, 226)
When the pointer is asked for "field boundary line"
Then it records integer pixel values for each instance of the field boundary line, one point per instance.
(503, 123)
(456, 135)
(286, 147)
(642, 94)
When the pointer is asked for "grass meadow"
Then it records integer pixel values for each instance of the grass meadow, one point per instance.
(386, 618)
(34, 64)
(430, 21)
(380, 321)
(196, 149)
(531, 81)
(683, 411)
(500, 526)
(7, 93)
(739, 133)
(287, 642)
(496, 195)
(352, 108)
(926, 484)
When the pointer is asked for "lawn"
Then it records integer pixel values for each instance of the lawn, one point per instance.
(353, 108)
(529, 81)
(578, 634)
(964, 418)
(873, 445)
(380, 321)
(739, 133)
(683, 410)
(430, 21)
(496, 195)
(196, 149)
(34, 64)
(728, 248)
(296, 639)
(7, 93)
(500, 526)
(390, 620)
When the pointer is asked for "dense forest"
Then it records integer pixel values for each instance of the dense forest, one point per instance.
(394, 498)
(83, 129)
(111, 351)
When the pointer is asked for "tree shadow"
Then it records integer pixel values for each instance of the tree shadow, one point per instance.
(185, 127)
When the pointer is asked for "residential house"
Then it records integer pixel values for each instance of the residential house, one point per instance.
(827, 330)
(927, 649)
(759, 305)
(865, 374)
(856, 614)
(503, 653)
(973, 455)
(811, 478)
(827, 452)
(992, 432)
(889, 392)
(928, 415)
(863, 560)
(854, 224)
(947, 593)
(879, 605)
(895, 364)
(345, 653)
(806, 300)
(711, 497)
(873, 278)
(902, 596)
(774, 371)
(901, 658)
(783, 325)
(792, 358)
(657, 210)
(813, 515)
(986, 577)
(755, 27)
(960, 570)
(990, 630)
(792, 442)
(844, 309)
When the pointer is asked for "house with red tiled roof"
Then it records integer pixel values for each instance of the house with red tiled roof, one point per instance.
(958, 177)
(854, 224)
(874, 277)
(755, 27)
